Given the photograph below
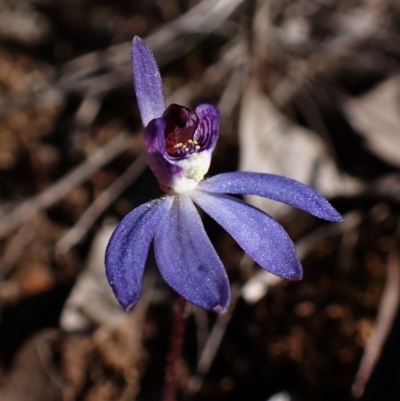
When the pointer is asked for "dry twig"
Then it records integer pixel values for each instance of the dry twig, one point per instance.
(212, 345)
(73, 236)
(62, 187)
(386, 314)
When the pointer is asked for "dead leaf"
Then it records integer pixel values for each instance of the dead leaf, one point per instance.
(376, 117)
(271, 143)
(33, 376)
(91, 302)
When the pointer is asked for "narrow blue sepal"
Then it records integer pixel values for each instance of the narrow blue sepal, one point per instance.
(275, 187)
(260, 236)
(188, 261)
(147, 82)
(128, 247)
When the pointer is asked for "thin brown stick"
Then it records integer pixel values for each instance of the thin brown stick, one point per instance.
(351, 220)
(202, 328)
(62, 187)
(138, 317)
(257, 286)
(78, 231)
(167, 43)
(170, 382)
(213, 343)
(232, 92)
(386, 314)
(15, 248)
(204, 17)
(101, 71)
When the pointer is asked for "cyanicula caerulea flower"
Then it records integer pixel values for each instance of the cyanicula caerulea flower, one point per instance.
(178, 143)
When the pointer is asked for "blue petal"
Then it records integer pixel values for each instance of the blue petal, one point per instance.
(207, 131)
(159, 161)
(187, 260)
(262, 238)
(128, 247)
(273, 187)
(147, 81)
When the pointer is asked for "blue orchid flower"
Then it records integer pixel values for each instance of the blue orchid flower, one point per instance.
(178, 145)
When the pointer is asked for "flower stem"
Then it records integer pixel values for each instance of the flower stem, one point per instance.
(175, 351)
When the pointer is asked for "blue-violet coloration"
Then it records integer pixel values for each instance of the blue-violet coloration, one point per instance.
(178, 144)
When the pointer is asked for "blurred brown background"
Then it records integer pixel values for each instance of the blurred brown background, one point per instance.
(306, 88)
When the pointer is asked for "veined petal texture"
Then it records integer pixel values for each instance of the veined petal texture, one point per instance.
(188, 261)
(159, 161)
(128, 247)
(275, 187)
(208, 129)
(147, 81)
(261, 237)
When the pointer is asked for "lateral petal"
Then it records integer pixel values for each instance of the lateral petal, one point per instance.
(154, 142)
(260, 236)
(207, 131)
(147, 82)
(188, 261)
(128, 247)
(275, 187)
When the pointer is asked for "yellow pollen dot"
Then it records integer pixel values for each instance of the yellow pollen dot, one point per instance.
(197, 147)
(189, 141)
(178, 145)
